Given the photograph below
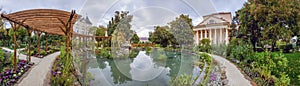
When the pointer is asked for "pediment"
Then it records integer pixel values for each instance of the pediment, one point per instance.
(213, 20)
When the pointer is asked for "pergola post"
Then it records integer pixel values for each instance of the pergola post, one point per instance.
(29, 42)
(15, 27)
(46, 42)
(39, 44)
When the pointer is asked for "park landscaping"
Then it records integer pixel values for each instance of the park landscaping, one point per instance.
(259, 45)
(8, 75)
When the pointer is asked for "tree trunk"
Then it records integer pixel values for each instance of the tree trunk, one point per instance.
(273, 45)
(253, 43)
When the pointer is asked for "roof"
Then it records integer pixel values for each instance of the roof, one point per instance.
(218, 13)
(45, 20)
(87, 20)
(217, 16)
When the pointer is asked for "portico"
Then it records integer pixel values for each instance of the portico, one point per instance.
(214, 27)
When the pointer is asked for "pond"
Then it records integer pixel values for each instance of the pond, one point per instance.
(156, 68)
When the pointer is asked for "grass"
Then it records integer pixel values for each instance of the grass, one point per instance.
(294, 67)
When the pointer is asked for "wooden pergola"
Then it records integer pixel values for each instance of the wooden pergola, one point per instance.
(49, 21)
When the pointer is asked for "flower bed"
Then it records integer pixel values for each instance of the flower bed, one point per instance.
(10, 77)
(34, 52)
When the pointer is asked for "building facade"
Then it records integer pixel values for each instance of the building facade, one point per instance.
(83, 26)
(214, 27)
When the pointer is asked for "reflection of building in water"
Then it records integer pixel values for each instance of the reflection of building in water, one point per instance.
(214, 27)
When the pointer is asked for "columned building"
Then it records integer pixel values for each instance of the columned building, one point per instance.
(214, 27)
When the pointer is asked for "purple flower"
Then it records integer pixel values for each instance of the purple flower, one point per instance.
(213, 77)
(13, 80)
(54, 73)
(16, 77)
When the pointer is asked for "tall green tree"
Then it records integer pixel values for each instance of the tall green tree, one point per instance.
(162, 36)
(122, 32)
(249, 27)
(135, 39)
(182, 30)
(114, 22)
(269, 21)
(234, 26)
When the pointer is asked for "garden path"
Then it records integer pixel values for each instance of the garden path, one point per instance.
(35, 60)
(234, 76)
(38, 73)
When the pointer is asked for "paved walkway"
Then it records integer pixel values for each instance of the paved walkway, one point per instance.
(39, 72)
(22, 56)
(235, 77)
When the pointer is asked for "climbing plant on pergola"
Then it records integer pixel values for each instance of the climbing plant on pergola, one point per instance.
(49, 21)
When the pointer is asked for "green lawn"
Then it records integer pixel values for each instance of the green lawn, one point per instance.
(293, 67)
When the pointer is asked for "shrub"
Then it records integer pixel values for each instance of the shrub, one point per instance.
(206, 57)
(1, 59)
(1, 55)
(204, 46)
(269, 65)
(182, 80)
(241, 52)
(220, 49)
(205, 42)
(233, 42)
(104, 53)
(43, 52)
(285, 47)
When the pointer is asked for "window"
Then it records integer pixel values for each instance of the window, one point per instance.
(211, 21)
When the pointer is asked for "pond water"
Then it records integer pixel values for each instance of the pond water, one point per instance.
(151, 69)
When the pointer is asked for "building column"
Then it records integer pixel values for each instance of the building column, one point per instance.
(215, 37)
(201, 35)
(197, 37)
(221, 38)
(226, 36)
(205, 34)
(210, 36)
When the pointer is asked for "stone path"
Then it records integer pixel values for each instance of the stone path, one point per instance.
(234, 76)
(38, 74)
(41, 67)
(22, 56)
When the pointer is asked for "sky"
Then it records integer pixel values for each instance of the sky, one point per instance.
(146, 13)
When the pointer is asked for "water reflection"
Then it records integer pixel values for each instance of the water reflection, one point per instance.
(142, 70)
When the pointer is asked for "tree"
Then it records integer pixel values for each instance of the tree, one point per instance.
(135, 39)
(162, 36)
(112, 25)
(3, 31)
(100, 32)
(234, 26)
(182, 30)
(122, 32)
(249, 27)
(114, 22)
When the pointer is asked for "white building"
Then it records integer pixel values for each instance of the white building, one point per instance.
(83, 26)
(144, 39)
(214, 27)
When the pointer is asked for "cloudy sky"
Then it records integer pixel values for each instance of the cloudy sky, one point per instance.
(146, 13)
